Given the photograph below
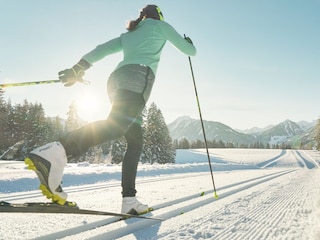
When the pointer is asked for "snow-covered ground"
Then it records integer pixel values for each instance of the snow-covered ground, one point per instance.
(263, 194)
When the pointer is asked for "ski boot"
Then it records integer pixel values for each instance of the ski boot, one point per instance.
(131, 205)
(48, 162)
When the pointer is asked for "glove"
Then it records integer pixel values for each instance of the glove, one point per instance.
(72, 75)
(188, 39)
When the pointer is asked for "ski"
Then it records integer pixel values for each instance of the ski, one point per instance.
(49, 207)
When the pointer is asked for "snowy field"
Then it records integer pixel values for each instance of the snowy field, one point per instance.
(263, 194)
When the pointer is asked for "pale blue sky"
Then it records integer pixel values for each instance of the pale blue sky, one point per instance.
(258, 62)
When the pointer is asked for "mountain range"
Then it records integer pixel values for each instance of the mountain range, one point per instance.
(287, 132)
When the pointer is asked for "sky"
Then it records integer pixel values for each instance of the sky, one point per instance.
(257, 62)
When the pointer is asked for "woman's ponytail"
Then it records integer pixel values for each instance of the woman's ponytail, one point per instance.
(133, 24)
(149, 11)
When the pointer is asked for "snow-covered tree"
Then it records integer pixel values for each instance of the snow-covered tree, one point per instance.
(55, 128)
(73, 120)
(30, 126)
(4, 131)
(317, 135)
(117, 150)
(37, 131)
(184, 144)
(23, 127)
(9, 125)
(158, 145)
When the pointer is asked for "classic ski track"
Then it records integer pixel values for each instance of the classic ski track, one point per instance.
(262, 219)
(308, 160)
(302, 155)
(141, 224)
(303, 159)
(300, 160)
(273, 161)
(96, 186)
(264, 164)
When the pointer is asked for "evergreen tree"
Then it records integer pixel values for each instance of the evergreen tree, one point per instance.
(38, 129)
(9, 133)
(18, 123)
(73, 120)
(55, 128)
(229, 145)
(158, 145)
(117, 150)
(184, 144)
(3, 122)
(28, 127)
(317, 135)
(197, 144)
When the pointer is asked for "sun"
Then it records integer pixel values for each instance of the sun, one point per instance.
(87, 105)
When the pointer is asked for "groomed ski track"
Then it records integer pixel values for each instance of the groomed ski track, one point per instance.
(166, 210)
(271, 202)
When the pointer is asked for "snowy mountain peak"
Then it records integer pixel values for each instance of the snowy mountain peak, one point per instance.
(290, 128)
(181, 122)
(186, 127)
(284, 132)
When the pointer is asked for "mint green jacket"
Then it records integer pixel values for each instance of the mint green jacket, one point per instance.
(143, 45)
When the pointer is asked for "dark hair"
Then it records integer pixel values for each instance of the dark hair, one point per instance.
(149, 11)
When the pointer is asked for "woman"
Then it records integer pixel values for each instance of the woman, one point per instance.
(129, 88)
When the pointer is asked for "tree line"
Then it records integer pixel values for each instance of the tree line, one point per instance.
(186, 144)
(25, 126)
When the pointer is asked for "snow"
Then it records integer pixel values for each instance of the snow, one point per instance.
(263, 194)
(278, 139)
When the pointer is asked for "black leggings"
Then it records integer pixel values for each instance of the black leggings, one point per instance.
(123, 120)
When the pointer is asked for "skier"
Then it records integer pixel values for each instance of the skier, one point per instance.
(129, 87)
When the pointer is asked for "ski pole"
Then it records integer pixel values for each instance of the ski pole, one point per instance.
(37, 83)
(27, 83)
(204, 133)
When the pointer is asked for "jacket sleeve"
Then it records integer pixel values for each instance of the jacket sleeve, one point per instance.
(103, 50)
(177, 40)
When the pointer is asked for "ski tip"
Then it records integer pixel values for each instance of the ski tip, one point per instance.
(202, 194)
